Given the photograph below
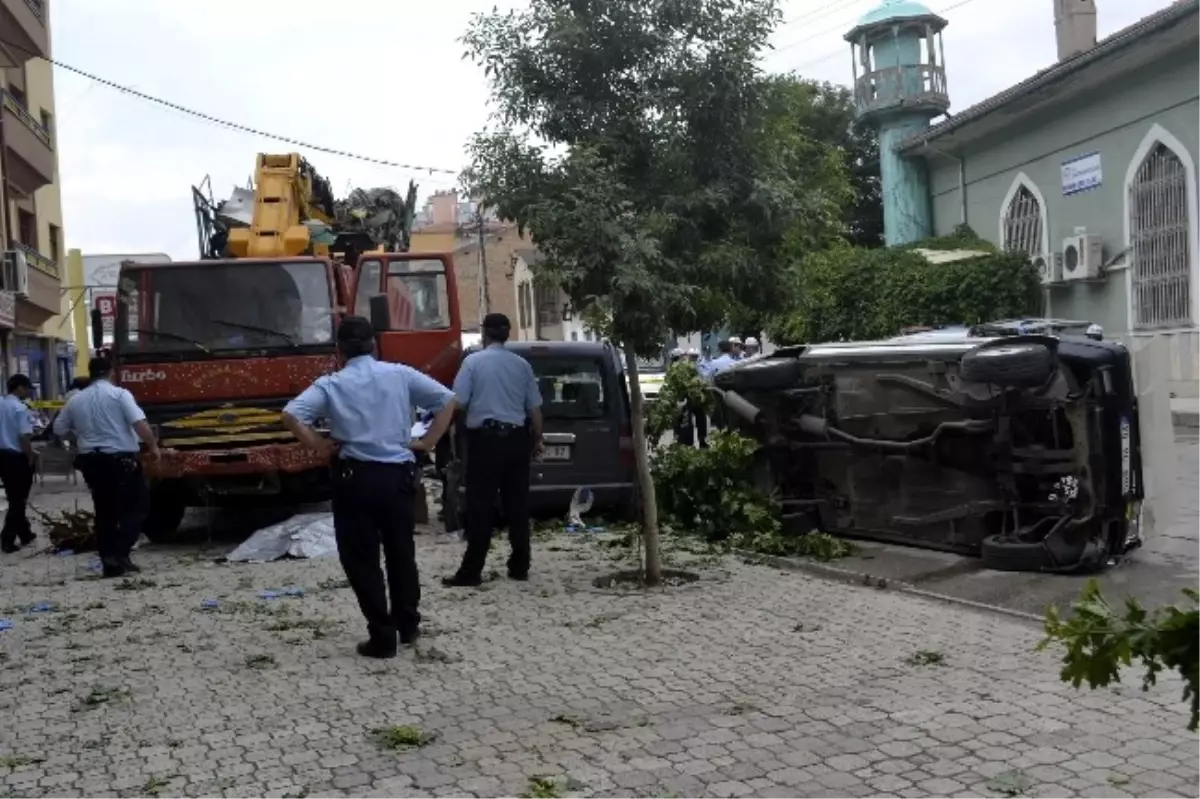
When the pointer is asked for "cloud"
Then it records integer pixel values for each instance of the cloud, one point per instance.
(377, 77)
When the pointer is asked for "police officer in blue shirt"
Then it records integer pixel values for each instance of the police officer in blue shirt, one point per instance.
(504, 430)
(369, 406)
(17, 461)
(107, 424)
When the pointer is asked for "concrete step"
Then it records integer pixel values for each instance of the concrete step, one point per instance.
(1185, 413)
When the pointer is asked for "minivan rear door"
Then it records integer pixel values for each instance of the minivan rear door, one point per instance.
(582, 407)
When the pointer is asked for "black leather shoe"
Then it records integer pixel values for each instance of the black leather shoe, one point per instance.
(9, 547)
(130, 566)
(376, 648)
(27, 538)
(460, 581)
(518, 576)
(409, 637)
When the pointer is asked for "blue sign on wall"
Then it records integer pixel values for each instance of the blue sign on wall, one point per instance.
(1081, 173)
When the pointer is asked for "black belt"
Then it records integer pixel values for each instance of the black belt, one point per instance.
(378, 464)
(497, 425)
(109, 454)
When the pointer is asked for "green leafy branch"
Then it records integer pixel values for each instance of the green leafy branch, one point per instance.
(1101, 640)
(682, 388)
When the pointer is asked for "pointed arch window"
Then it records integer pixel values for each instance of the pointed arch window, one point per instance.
(1159, 240)
(1023, 223)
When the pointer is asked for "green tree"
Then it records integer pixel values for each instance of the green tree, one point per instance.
(1100, 641)
(634, 140)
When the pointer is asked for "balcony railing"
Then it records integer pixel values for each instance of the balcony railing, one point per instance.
(22, 113)
(910, 85)
(36, 260)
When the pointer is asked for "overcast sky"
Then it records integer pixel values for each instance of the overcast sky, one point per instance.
(381, 78)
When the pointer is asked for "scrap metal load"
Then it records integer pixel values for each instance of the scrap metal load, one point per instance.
(290, 207)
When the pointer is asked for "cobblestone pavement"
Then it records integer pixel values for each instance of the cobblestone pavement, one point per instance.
(750, 682)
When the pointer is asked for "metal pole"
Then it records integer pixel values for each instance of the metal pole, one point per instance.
(484, 303)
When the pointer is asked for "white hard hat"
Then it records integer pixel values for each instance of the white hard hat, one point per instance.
(693, 351)
(734, 340)
(675, 353)
(752, 342)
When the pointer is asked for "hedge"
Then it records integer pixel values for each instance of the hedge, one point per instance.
(849, 293)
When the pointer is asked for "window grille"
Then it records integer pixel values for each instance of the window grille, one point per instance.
(1159, 235)
(1023, 224)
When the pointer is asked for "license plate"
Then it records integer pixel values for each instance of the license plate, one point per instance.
(559, 453)
(1126, 457)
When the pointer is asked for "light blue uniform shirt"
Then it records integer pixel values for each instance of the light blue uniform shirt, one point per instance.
(369, 406)
(496, 383)
(719, 364)
(16, 420)
(102, 417)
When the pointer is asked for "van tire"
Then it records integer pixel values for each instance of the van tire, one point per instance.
(1003, 554)
(1009, 365)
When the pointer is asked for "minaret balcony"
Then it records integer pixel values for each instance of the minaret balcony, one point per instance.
(910, 87)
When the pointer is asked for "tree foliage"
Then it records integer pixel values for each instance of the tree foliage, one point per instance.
(851, 293)
(669, 177)
(1100, 641)
(682, 388)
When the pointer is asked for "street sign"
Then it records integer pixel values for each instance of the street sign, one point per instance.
(107, 305)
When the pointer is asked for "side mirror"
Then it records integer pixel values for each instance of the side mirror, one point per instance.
(97, 329)
(380, 315)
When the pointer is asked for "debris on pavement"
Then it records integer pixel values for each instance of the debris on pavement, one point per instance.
(69, 530)
(307, 535)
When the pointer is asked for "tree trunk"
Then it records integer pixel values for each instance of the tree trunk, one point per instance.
(653, 575)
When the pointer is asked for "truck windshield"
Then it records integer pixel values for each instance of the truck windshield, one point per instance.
(208, 307)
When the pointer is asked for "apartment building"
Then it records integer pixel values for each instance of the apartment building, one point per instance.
(448, 223)
(36, 335)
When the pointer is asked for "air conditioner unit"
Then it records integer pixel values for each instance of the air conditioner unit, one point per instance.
(16, 272)
(1049, 268)
(1082, 256)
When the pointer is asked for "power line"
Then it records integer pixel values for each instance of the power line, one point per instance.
(226, 123)
(839, 54)
(830, 10)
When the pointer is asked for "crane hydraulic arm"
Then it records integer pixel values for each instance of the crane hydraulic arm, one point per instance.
(288, 192)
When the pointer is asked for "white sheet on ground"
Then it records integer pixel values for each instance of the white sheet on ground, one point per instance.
(307, 535)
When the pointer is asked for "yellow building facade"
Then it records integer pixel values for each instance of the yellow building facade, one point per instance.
(36, 333)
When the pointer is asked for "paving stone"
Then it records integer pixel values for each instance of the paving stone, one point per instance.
(703, 691)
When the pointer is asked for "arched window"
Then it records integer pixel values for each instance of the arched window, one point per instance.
(1160, 241)
(1023, 223)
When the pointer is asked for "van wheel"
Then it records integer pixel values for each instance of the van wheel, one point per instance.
(1015, 365)
(167, 507)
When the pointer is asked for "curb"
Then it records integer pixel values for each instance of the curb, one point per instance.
(866, 580)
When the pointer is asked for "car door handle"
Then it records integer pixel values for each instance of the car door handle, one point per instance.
(558, 438)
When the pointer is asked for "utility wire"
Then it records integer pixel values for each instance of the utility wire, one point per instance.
(827, 11)
(226, 123)
(828, 56)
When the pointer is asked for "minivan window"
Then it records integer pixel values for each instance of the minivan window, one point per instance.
(572, 388)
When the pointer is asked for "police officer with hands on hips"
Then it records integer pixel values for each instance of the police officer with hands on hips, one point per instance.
(504, 431)
(107, 424)
(17, 462)
(370, 406)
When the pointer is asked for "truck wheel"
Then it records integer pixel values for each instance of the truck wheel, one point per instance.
(452, 513)
(1015, 365)
(167, 506)
(769, 374)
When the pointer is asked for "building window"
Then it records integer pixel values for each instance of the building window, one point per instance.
(27, 228)
(1159, 235)
(1023, 223)
(574, 335)
(48, 122)
(55, 243)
